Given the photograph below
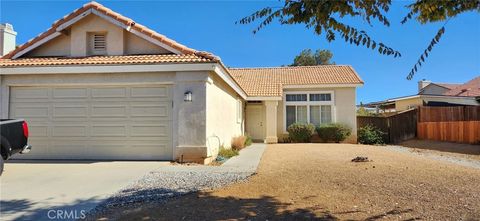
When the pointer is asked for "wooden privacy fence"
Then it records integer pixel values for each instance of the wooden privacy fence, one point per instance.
(453, 124)
(397, 128)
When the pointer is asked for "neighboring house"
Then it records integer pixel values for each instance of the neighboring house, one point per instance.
(434, 94)
(97, 85)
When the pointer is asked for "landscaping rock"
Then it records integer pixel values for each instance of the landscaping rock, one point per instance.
(360, 159)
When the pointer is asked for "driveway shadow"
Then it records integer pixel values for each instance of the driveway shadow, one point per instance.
(204, 206)
(17, 210)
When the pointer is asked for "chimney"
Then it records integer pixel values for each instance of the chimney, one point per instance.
(7, 38)
(423, 83)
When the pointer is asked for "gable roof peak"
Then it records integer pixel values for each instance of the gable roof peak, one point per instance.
(102, 11)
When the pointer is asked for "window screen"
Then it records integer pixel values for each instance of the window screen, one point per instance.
(320, 97)
(296, 97)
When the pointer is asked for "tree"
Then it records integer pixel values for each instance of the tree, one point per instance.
(307, 58)
(328, 17)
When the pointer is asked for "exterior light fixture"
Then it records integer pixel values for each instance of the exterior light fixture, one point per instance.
(187, 97)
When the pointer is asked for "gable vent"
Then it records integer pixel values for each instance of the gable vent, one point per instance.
(99, 42)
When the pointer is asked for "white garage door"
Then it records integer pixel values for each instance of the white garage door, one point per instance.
(96, 122)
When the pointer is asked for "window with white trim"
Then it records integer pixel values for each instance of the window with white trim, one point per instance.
(308, 107)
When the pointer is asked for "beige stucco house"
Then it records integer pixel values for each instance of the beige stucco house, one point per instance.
(97, 85)
(434, 94)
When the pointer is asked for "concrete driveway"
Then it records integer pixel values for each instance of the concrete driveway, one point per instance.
(61, 190)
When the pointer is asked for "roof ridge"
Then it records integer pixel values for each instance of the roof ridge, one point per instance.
(290, 67)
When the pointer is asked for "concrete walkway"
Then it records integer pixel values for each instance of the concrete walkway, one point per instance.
(248, 160)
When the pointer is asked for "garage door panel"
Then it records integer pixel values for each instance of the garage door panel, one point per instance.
(118, 92)
(70, 93)
(29, 111)
(115, 122)
(69, 131)
(30, 93)
(109, 131)
(67, 149)
(109, 111)
(70, 111)
(149, 130)
(38, 131)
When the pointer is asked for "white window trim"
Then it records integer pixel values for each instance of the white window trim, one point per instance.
(307, 103)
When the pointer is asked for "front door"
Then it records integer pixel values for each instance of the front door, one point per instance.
(255, 121)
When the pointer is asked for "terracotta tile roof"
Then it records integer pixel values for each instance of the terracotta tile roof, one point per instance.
(269, 82)
(469, 89)
(448, 86)
(120, 18)
(104, 60)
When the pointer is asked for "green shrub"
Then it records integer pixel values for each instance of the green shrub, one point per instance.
(300, 133)
(333, 132)
(227, 153)
(370, 135)
(248, 141)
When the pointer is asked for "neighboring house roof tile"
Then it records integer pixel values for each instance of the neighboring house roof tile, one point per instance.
(268, 82)
(104, 60)
(448, 86)
(118, 17)
(469, 89)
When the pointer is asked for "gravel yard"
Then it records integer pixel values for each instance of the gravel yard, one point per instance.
(318, 181)
(159, 186)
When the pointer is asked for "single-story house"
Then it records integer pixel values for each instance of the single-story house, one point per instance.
(433, 94)
(97, 85)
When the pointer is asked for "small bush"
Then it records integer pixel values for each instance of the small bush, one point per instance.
(300, 133)
(285, 140)
(370, 135)
(333, 132)
(238, 143)
(227, 153)
(248, 141)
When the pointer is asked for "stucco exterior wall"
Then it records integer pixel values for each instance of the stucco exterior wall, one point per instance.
(344, 110)
(137, 45)
(222, 122)
(401, 105)
(59, 46)
(189, 118)
(92, 23)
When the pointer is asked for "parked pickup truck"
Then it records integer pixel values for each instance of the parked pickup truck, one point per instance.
(14, 139)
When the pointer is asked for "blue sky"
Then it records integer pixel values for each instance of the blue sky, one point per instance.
(210, 26)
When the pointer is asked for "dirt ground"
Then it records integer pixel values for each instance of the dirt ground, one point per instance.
(467, 151)
(318, 181)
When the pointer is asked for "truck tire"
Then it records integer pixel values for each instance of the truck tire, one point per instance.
(1, 165)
